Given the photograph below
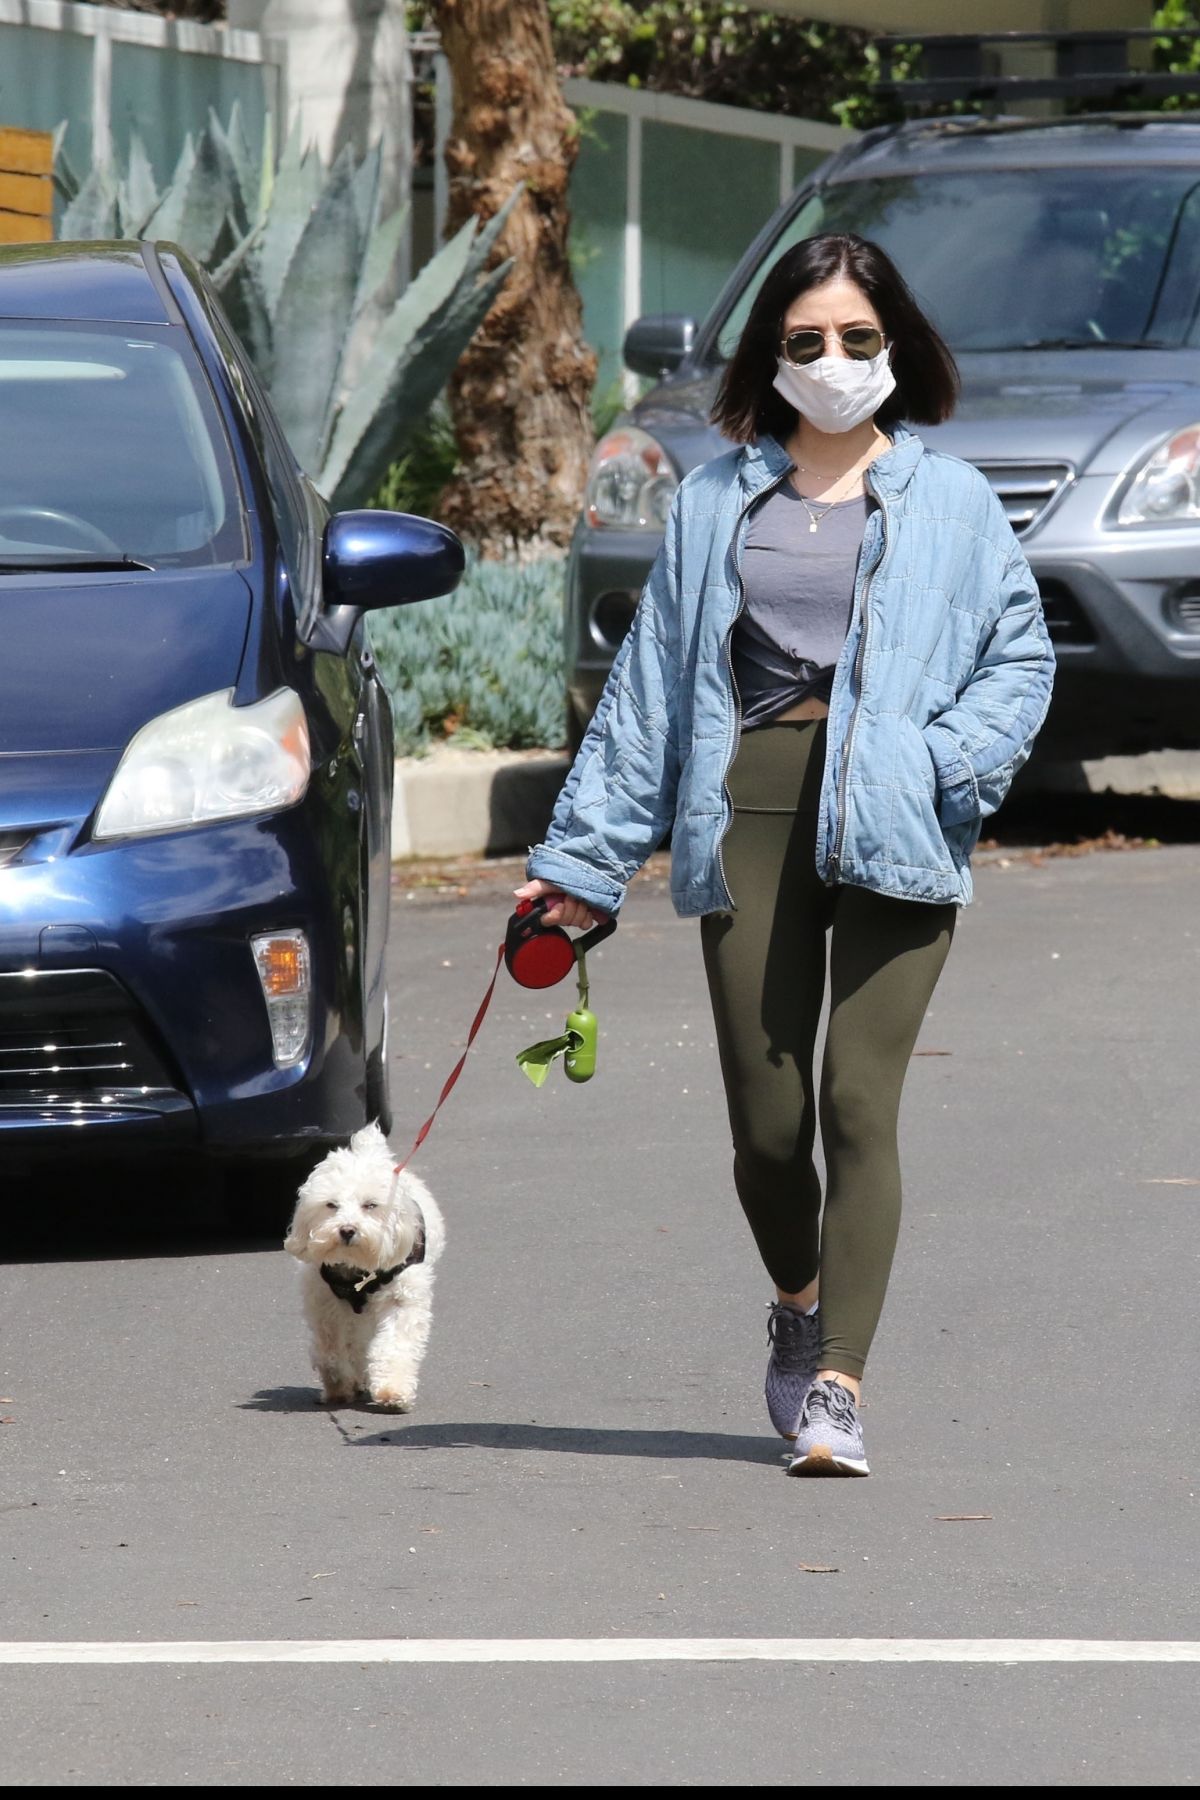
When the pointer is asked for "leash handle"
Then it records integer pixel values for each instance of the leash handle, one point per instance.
(457, 1070)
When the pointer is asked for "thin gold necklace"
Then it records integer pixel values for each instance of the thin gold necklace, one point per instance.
(814, 519)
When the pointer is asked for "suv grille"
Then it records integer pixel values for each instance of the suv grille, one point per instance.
(70, 1036)
(1026, 490)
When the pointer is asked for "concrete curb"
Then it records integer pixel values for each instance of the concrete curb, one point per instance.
(480, 802)
(472, 802)
(1159, 774)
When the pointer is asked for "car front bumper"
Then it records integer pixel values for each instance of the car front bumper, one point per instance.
(1122, 607)
(131, 1013)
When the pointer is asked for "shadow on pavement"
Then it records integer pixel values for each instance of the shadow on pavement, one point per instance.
(581, 1440)
(706, 1446)
(1037, 819)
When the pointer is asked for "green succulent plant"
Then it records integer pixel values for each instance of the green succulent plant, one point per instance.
(303, 257)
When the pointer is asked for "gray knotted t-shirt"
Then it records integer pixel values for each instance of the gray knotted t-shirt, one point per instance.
(799, 587)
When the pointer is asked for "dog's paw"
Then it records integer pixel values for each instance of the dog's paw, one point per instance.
(336, 1397)
(395, 1399)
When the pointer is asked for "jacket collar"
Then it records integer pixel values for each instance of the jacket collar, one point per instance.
(766, 460)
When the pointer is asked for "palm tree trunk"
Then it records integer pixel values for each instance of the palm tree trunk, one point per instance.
(520, 395)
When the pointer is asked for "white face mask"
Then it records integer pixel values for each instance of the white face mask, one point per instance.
(836, 393)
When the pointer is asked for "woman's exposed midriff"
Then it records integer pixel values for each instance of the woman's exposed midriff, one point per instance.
(803, 709)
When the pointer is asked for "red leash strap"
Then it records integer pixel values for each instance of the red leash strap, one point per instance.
(457, 1070)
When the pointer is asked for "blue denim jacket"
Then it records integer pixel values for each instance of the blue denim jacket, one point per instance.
(939, 692)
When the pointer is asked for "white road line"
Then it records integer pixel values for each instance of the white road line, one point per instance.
(614, 1650)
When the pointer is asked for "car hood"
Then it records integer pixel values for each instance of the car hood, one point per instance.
(1016, 406)
(88, 660)
(1063, 406)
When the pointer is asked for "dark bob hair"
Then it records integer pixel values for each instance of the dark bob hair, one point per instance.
(747, 406)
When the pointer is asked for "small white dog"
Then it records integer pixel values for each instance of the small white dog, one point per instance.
(369, 1239)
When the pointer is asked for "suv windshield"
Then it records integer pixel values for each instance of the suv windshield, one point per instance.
(1008, 258)
(110, 451)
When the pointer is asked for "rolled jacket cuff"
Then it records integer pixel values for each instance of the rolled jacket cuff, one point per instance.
(575, 877)
(958, 790)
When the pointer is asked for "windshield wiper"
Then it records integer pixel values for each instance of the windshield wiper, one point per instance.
(14, 565)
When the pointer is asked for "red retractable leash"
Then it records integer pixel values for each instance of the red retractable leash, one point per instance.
(537, 955)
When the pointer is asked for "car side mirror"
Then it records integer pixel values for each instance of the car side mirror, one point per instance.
(372, 559)
(658, 343)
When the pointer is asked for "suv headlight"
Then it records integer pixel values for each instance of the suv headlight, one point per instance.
(209, 760)
(630, 483)
(1166, 489)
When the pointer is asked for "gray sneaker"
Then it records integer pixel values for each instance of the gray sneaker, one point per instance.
(829, 1440)
(792, 1366)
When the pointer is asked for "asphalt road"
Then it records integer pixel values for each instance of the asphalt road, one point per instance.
(590, 1457)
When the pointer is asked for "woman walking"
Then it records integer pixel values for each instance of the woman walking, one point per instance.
(837, 666)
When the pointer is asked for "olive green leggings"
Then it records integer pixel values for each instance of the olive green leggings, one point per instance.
(766, 974)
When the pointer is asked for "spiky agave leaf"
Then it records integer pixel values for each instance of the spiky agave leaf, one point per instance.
(64, 177)
(237, 281)
(294, 193)
(383, 247)
(313, 316)
(139, 190)
(369, 431)
(420, 300)
(423, 297)
(400, 383)
(366, 189)
(247, 173)
(95, 210)
(195, 208)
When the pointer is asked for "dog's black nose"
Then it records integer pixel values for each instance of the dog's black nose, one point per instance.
(347, 1233)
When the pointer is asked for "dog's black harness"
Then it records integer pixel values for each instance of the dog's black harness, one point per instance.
(350, 1284)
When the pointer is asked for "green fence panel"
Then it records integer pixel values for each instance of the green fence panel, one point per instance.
(703, 199)
(163, 95)
(598, 237)
(46, 77)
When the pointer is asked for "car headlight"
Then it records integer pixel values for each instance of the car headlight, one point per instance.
(209, 760)
(631, 482)
(1166, 489)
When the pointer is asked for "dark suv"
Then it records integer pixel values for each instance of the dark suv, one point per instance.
(1061, 260)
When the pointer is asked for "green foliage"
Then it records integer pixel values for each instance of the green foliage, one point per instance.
(1177, 58)
(484, 665)
(733, 54)
(416, 480)
(428, 465)
(303, 258)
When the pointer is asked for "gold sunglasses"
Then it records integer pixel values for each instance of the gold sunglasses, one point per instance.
(862, 343)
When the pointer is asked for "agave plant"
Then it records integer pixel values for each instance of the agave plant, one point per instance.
(304, 258)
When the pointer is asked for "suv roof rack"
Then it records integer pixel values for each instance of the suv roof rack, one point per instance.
(950, 124)
(1088, 65)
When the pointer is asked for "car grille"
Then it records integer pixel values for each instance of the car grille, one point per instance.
(76, 1036)
(1026, 490)
(1066, 620)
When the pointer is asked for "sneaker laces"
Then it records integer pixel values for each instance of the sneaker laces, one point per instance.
(835, 1401)
(791, 1337)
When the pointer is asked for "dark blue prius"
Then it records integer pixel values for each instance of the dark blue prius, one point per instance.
(195, 748)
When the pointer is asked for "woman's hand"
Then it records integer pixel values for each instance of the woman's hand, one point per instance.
(564, 908)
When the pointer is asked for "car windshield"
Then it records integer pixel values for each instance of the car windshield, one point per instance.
(111, 451)
(1007, 258)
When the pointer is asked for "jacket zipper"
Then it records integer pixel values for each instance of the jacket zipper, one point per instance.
(727, 647)
(835, 860)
